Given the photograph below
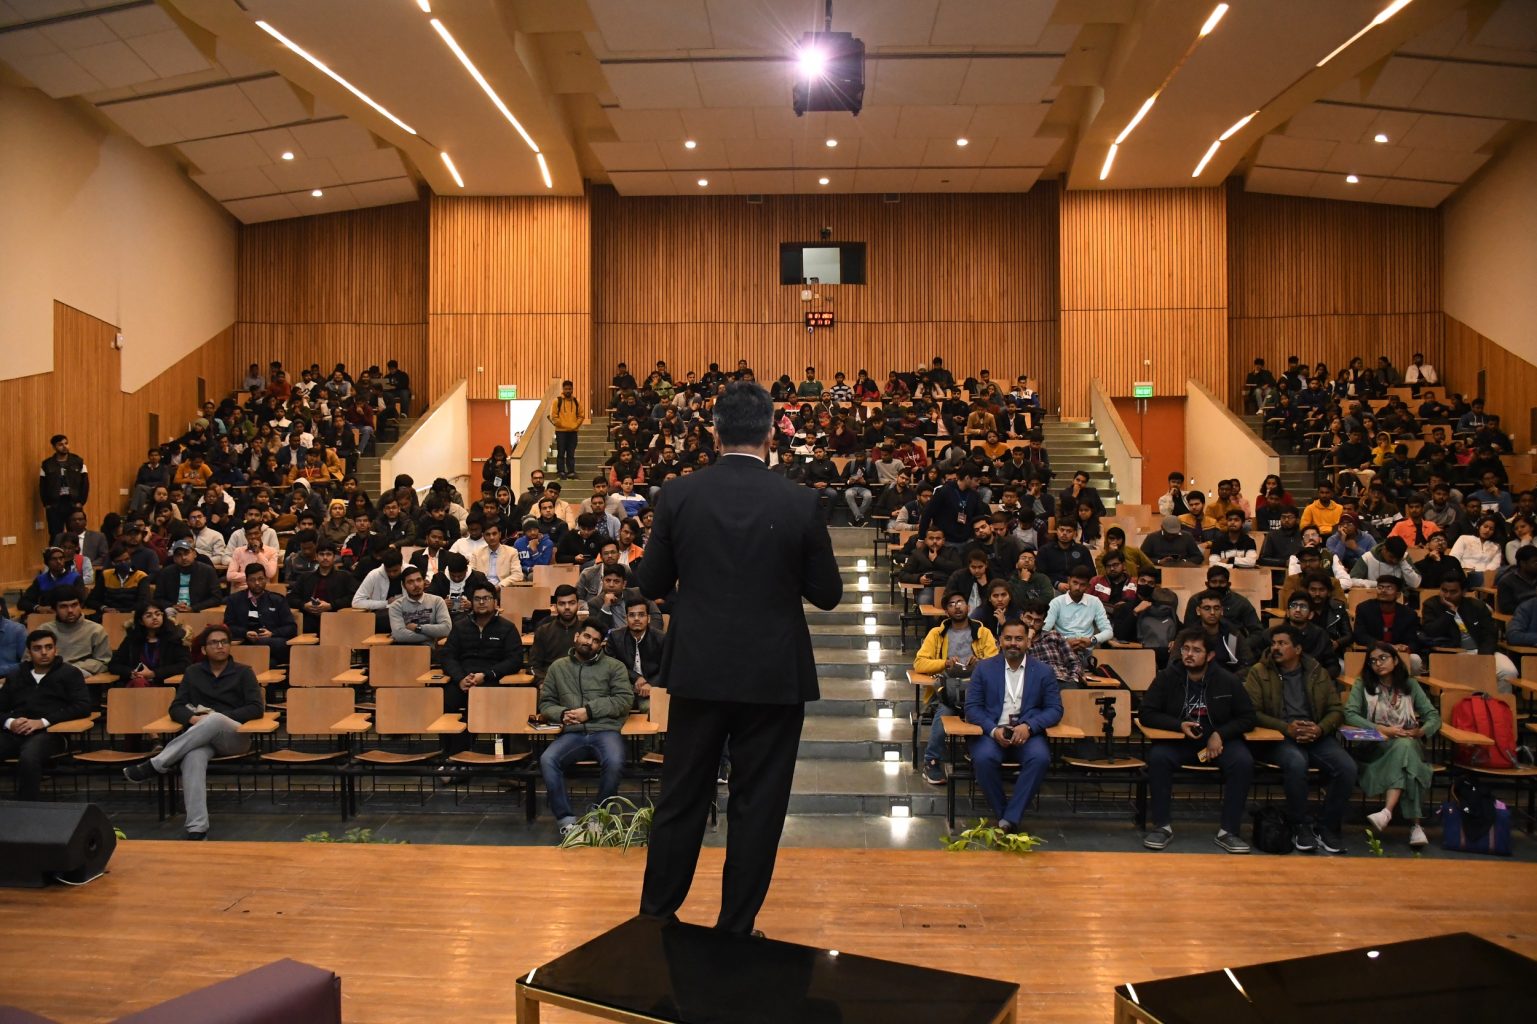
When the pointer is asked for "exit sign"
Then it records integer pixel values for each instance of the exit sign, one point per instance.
(1142, 389)
(819, 318)
(506, 392)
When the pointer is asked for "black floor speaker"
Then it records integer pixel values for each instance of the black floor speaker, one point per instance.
(41, 842)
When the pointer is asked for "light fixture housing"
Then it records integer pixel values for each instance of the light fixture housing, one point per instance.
(1382, 15)
(832, 143)
(1104, 171)
(448, 162)
(1211, 22)
(1206, 159)
(822, 181)
(831, 76)
(963, 142)
(480, 80)
(321, 66)
(544, 170)
(703, 182)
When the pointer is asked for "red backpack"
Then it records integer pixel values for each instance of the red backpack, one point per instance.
(1488, 717)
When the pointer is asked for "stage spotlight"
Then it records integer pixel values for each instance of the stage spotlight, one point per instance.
(830, 73)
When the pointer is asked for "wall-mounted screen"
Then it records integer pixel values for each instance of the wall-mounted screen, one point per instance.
(821, 263)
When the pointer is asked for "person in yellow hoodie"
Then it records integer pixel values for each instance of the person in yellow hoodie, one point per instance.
(566, 416)
(1324, 512)
(949, 653)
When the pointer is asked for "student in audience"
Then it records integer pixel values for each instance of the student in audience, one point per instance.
(1050, 647)
(1455, 619)
(1283, 542)
(482, 649)
(1389, 701)
(1293, 694)
(327, 589)
(1211, 710)
(495, 561)
(13, 642)
(638, 647)
(1064, 556)
(1078, 615)
(553, 636)
(1323, 512)
(81, 642)
(580, 546)
(417, 617)
(1387, 620)
(1137, 563)
(1237, 611)
(1172, 545)
(253, 552)
(1014, 700)
(92, 544)
(1519, 584)
(257, 616)
(972, 580)
(119, 587)
(1316, 643)
(153, 649)
(931, 564)
(955, 506)
(949, 653)
(429, 559)
(566, 417)
(1233, 546)
(455, 584)
(35, 697)
(1387, 559)
(533, 548)
(215, 697)
(589, 695)
(380, 588)
(57, 575)
(1117, 591)
(1480, 553)
(63, 483)
(1224, 640)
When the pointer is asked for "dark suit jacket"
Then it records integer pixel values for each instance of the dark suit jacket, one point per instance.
(60, 696)
(203, 588)
(1406, 626)
(1040, 706)
(743, 546)
(621, 647)
(271, 613)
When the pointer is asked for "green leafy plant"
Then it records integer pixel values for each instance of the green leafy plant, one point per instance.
(983, 836)
(616, 822)
(1374, 845)
(353, 835)
(119, 832)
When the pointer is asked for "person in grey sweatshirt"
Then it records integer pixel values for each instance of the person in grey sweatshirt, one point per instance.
(82, 643)
(418, 617)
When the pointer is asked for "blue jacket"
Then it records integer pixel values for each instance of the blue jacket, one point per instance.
(1040, 706)
(13, 645)
(542, 553)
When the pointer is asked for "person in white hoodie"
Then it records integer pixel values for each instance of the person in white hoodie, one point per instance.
(1479, 552)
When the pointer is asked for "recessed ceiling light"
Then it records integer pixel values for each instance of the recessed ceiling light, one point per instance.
(704, 182)
(1104, 172)
(831, 143)
(1351, 179)
(823, 181)
(288, 155)
(963, 142)
(317, 193)
(449, 163)
(689, 143)
(338, 79)
(1136, 118)
(1379, 137)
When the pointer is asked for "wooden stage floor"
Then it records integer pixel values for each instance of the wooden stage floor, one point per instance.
(438, 933)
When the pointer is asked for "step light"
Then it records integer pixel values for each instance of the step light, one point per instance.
(864, 584)
(863, 565)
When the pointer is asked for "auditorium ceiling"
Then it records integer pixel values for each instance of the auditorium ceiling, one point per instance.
(282, 108)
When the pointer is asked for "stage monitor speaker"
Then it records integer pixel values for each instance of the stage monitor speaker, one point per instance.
(40, 842)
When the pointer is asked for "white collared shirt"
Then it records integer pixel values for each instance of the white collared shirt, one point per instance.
(1013, 691)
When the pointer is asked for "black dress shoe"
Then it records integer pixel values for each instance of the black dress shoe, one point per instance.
(197, 837)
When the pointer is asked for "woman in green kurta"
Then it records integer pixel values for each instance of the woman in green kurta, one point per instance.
(1387, 700)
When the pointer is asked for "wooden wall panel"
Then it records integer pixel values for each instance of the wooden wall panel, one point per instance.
(82, 398)
(1327, 281)
(345, 287)
(971, 278)
(1144, 277)
(510, 297)
(1510, 382)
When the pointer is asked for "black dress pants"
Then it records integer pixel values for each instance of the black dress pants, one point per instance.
(764, 741)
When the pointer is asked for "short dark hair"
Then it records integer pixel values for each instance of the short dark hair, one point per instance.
(65, 594)
(595, 625)
(40, 634)
(636, 599)
(480, 586)
(409, 571)
(564, 590)
(1034, 606)
(390, 558)
(1080, 572)
(1193, 635)
(455, 562)
(1207, 595)
(616, 570)
(1286, 629)
(744, 415)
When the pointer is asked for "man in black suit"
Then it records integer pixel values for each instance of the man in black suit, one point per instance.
(36, 696)
(638, 646)
(737, 657)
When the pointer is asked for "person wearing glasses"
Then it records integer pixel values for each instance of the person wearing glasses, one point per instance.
(215, 697)
(1386, 698)
(482, 647)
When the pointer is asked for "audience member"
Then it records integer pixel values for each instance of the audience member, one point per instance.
(380, 589)
(638, 647)
(1385, 699)
(255, 615)
(57, 576)
(589, 695)
(1078, 615)
(81, 642)
(417, 617)
(35, 697)
(949, 653)
(553, 636)
(1013, 700)
(1453, 619)
(1172, 545)
(153, 650)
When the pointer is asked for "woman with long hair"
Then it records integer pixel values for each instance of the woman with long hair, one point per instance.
(1272, 499)
(999, 609)
(1385, 698)
(153, 649)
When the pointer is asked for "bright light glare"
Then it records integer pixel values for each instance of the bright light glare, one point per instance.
(1137, 119)
(288, 155)
(1211, 22)
(1205, 160)
(704, 182)
(1351, 179)
(425, 5)
(812, 62)
(1379, 137)
(832, 143)
(544, 170)
(1382, 15)
(1236, 127)
(317, 193)
(480, 80)
(448, 162)
(1104, 172)
(320, 66)
(689, 143)
(823, 181)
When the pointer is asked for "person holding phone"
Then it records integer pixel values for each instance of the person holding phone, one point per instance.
(1013, 700)
(153, 649)
(949, 653)
(1208, 706)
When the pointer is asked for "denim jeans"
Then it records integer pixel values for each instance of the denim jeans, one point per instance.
(1329, 757)
(859, 499)
(935, 751)
(570, 747)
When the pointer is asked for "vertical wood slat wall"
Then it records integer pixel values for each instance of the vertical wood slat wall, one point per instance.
(1144, 277)
(510, 295)
(1510, 382)
(1328, 281)
(344, 287)
(82, 398)
(696, 280)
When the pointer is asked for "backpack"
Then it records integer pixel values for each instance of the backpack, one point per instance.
(1156, 627)
(1271, 832)
(1473, 821)
(1489, 717)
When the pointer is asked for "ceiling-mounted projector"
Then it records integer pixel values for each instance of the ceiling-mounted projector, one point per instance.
(831, 73)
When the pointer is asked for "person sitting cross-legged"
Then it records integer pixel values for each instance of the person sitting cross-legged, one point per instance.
(1293, 693)
(214, 698)
(1013, 700)
(589, 695)
(950, 653)
(1210, 707)
(43, 693)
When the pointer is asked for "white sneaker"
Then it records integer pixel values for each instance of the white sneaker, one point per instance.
(1379, 821)
(1417, 838)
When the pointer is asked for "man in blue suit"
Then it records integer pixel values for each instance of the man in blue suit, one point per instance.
(1014, 700)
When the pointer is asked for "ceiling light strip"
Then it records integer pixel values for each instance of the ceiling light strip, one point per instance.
(1104, 172)
(448, 162)
(544, 170)
(1211, 22)
(485, 86)
(1206, 159)
(1237, 127)
(1382, 15)
(338, 79)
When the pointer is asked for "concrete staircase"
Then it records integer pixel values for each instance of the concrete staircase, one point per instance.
(1074, 445)
(368, 465)
(1296, 476)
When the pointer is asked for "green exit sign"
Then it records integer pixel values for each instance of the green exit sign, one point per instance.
(509, 392)
(1142, 389)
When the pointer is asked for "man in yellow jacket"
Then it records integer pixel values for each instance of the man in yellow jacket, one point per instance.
(567, 419)
(949, 653)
